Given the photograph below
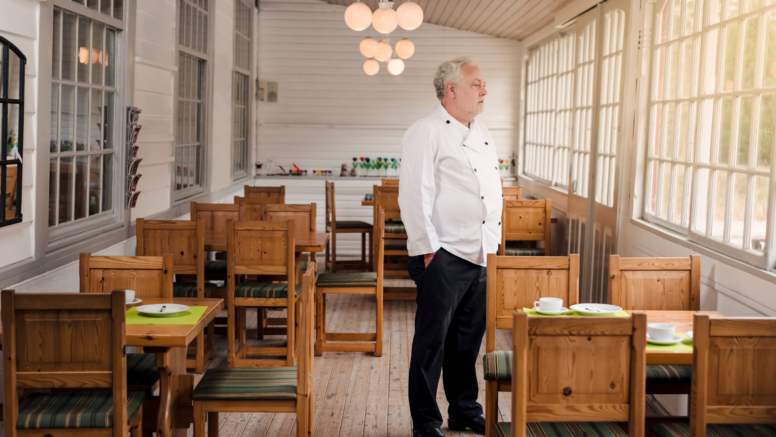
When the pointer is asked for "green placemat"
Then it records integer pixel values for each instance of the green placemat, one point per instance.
(188, 317)
(531, 312)
(683, 346)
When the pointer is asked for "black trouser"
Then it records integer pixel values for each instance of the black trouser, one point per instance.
(449, 325)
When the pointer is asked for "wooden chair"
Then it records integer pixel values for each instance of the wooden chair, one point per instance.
(75, 344)
(269, 194)
(185, 240)
(512, 193)
(250, 208)
(278, 389)
(733, 383)
(10, 191)
(149, 276)
(386, 198)
(215, 216)
(390, 182)
(370, 283)
(515, 283)
(525, 220)
(668, 284)
(577, 376)
(260, 248)
(334, 227)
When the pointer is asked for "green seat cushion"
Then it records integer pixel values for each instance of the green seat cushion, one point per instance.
(524, 251)
(668, 374)
(84, 409)
(344, 224)
(216, 266)
(683, 430)
(245, 383)
(497, 366)
(394, 227)
(189, 289)
(395, 245)
(562, 429)
(360, 279)
(264, 289)
(141, 369)
(303, 267)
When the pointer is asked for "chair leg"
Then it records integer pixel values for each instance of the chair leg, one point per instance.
(260, 317)
(199, 419)
(212, 424)
(333, 252)
(319, 315)
(136, 429)
(363, 248)
(291, 335)
(230, 335)
(200, 358)
(242, 311)
(379, 326)
(302, 416)
(491, 406)
(326, 259)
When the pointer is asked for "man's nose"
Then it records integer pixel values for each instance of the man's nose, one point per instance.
(484, 92)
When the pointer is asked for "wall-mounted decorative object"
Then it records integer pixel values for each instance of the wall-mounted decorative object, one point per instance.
(133, 162)
(12, 64)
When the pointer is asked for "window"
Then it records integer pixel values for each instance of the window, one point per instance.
(712, 107)
(84, 107)
(12, 63)
(192, 89)
(241, 88)
(549, 94)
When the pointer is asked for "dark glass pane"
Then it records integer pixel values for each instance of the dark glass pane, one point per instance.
(14, 77)
(82, 121)
(107, 182)
(2, 92)
(84, 51)
(81, 187)
(52, 212)
(92, 4)
(53, 146)
(69, 51)
(66, 175)
(94, 184)
(98, 53)
(12, 140)
(108, 120)
(105, 7)
(56, 47)
(118, 9)
(67, 119)
(110, 51)
(95, 121)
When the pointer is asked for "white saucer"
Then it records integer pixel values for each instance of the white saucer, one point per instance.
(551, 313)
(135, 302)
(689, 334)
(675, 340)
(595, 309)
(169, 310)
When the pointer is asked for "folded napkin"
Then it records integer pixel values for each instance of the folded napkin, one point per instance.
(188, 317)
(570, 313)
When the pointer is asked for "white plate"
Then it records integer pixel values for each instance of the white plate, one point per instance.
(135, 302)
(595, 309)
(675, 340)
(551, 313)
(170, 309)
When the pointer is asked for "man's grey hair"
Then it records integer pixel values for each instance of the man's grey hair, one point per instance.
(451, 71)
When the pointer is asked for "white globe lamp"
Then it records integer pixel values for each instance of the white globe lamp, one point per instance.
(396, 66)
(371, 67)
(409, 15)
(368, 47)
(384, 18)
(358, 16)
(384, 50)
(405, 48)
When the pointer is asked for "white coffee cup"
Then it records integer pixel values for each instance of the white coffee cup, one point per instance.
(549, 304)
(130, 295)
(661, 331)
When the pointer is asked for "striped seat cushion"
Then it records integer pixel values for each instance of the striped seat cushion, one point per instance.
(189, 289)
(360, 279)
(87, 409)
(562, 429)
(217, 266)
(524, 251)
(345, 224)
(683, 430)
(244, 383)
(264, 289)
(394, 227)
(497, 366)
(303, 267)
(141, 369)
(395, 245)
(668, 374)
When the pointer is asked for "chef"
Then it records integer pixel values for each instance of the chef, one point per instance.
(450, 199)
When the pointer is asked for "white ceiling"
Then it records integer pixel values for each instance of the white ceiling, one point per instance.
(512, 19)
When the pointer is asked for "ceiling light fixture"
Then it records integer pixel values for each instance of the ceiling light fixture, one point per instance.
(409, 15)
(358, 16)
(384, 18)
(405, 48)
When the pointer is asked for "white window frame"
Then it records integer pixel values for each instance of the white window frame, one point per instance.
(703, 136)
(242, 152)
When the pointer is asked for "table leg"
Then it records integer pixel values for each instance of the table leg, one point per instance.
(174, 389)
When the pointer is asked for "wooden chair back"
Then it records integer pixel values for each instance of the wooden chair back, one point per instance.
(215, 215)
(269, 194)
(330, 213)
(512, 193)
(261, 248)
(66, 341)
(526, 220)
(386, 198)
(580, 369)
(390, 182)
(516, 282)
(250, 208)
(185, 240)
(733, 377)
(303, 216)
(149, 276)
(670, 284)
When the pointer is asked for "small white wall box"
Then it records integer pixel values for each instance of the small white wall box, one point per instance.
(268, 92)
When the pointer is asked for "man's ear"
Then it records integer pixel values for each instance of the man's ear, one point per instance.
(451, 88)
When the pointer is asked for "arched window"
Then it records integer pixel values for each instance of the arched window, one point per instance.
(12, 63)
(712, 105)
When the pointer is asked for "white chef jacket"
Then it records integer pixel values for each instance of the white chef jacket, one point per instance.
(449, 188)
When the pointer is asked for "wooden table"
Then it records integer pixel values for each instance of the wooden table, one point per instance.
(372, 203)
(304, 241)
(682, 320)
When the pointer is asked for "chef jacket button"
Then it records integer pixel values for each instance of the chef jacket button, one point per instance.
(448, 121)
(495, 168)
(499, 223)
(482, 197)
(475, 169)
(483, 222)
(486, 143)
